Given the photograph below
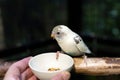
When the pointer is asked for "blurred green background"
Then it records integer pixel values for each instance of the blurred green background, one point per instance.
(25, 27)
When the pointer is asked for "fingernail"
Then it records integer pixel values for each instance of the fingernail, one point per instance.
(66, 75)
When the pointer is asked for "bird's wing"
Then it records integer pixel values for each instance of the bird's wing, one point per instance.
(81, 45)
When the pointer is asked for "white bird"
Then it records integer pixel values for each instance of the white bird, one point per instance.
(69, 41)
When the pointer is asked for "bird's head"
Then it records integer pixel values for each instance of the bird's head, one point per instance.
(59, 32)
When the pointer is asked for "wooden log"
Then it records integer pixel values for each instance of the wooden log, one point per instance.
(90, 66)
(4, 66)
(97, 66)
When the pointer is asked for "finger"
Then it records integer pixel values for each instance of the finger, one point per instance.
(62, 76)
(26, 74)
(33, 78)
(22, 64)
(15, 70)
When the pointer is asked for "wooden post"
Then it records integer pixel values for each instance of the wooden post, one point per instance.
(97, 66)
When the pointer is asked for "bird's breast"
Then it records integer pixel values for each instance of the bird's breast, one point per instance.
(69, 47)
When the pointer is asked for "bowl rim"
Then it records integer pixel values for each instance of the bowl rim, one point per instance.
(72, 63)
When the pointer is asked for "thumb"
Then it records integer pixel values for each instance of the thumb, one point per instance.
(62, 76)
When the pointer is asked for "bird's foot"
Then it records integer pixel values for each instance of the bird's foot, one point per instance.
(85, 59)
(57, 55)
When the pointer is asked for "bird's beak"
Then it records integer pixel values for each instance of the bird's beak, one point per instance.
(52, 36)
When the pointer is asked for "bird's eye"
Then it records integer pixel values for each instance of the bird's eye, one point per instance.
(58, 33)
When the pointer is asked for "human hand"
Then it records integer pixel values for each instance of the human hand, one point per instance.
(21, 71)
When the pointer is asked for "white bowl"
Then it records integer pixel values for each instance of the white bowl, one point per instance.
(40, 64)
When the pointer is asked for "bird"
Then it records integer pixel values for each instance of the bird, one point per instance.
(69, 41)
